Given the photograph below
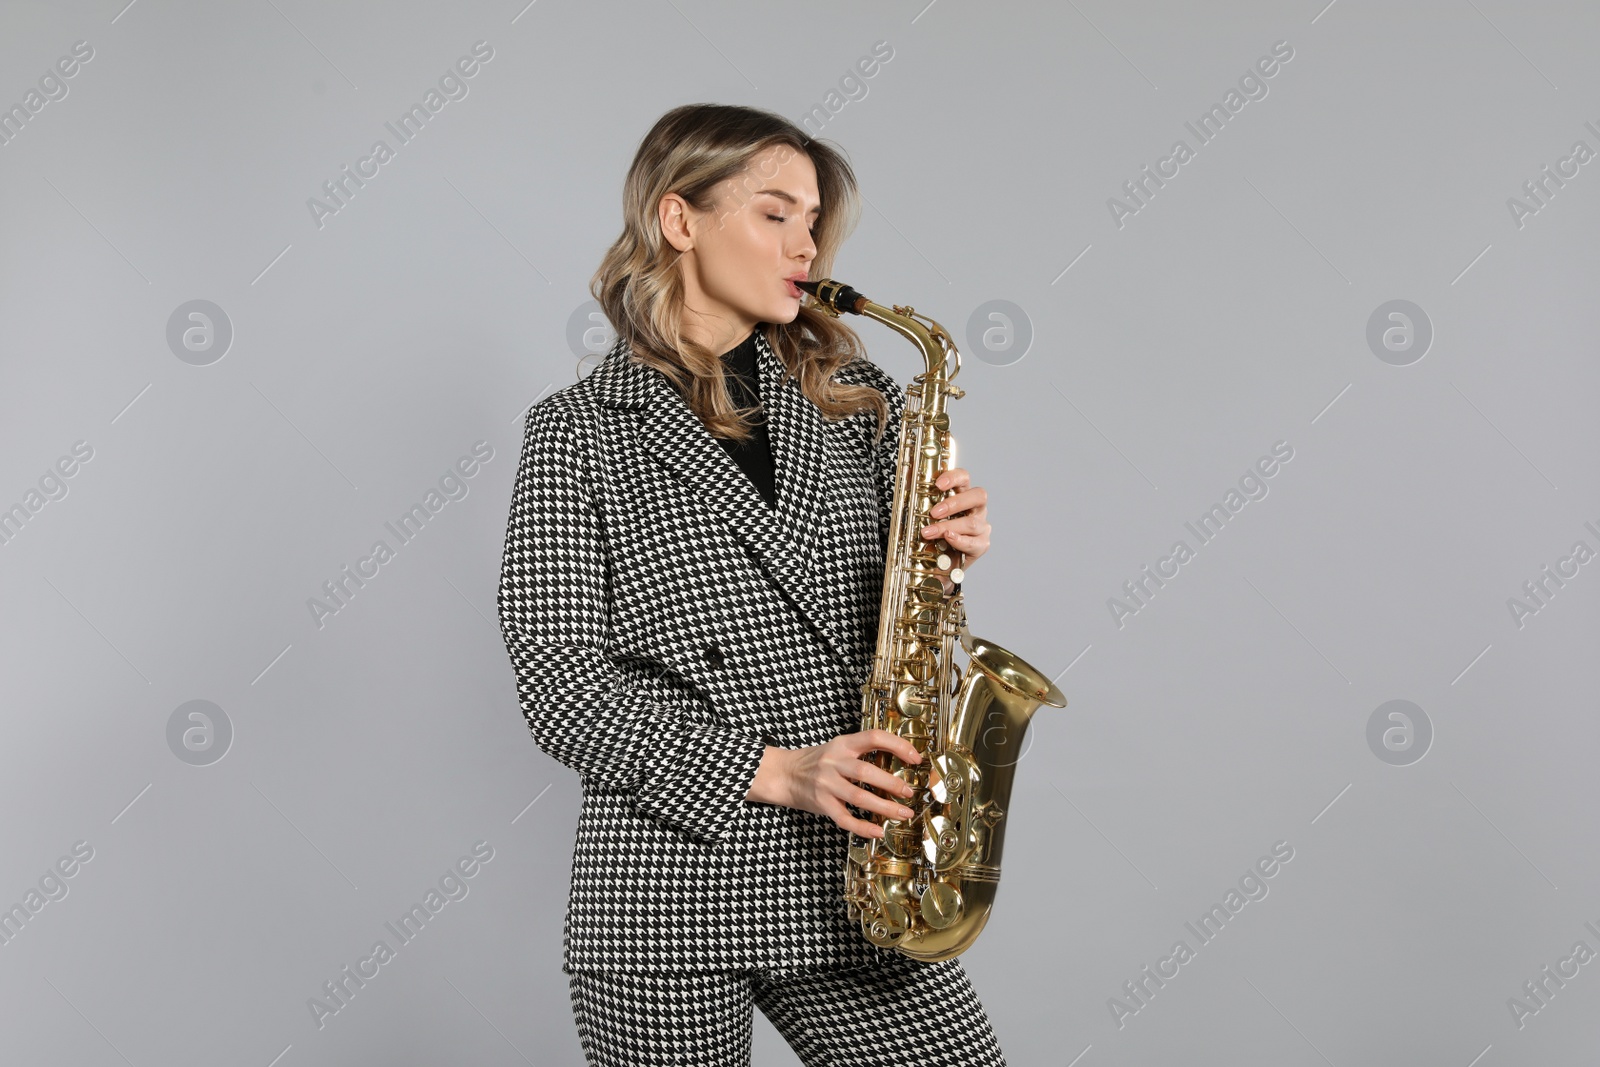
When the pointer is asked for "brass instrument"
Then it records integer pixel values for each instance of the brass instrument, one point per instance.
(926, 888)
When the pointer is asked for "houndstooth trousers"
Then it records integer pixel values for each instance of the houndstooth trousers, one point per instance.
(911, 1014)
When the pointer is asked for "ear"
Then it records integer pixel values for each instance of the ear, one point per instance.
(673, 214)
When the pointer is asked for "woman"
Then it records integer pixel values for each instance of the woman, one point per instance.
(689, 595)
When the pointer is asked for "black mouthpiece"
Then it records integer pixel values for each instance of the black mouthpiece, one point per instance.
(835, 294)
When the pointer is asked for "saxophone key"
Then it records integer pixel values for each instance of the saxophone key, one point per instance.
(941, 905)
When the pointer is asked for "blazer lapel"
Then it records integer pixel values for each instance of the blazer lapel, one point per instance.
(667, 432)
(795, 428)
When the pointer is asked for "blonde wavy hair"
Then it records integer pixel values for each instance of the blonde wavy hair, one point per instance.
(689, 151)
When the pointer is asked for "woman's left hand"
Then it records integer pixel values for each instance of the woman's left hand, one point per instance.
(961, 518)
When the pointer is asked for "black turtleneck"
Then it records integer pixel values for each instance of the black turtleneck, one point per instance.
(754, 456)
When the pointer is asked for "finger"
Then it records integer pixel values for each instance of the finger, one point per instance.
(963, 538)
(859, 827)
(882, 779)
(866, 771)
(858, 770)
(968, 526)
(971, 549)
(967, 500)
(967, 522)
(971, 521)
(954, 478)
(888, 807)
(893, 742)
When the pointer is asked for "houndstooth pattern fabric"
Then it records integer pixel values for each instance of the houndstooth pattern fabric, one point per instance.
(665, 626)
(910, 1013)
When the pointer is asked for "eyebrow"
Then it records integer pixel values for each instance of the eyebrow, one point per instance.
(781, 195)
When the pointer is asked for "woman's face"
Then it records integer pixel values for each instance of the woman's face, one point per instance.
(738, 258)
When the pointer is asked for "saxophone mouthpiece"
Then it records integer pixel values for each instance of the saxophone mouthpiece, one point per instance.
(834, 294)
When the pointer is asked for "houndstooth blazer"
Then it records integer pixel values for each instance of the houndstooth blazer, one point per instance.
(665, 626)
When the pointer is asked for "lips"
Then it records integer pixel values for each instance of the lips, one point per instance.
(790, 280)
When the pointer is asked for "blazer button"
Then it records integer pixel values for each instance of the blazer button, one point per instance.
(714, 656)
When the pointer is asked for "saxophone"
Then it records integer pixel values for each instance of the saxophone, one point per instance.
(926, 887)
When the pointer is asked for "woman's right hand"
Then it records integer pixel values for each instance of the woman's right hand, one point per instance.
(822, 779)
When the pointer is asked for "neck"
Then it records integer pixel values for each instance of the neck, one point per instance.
(736, 343)
(719, 335)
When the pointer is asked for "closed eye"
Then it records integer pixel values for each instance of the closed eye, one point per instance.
(785, 218)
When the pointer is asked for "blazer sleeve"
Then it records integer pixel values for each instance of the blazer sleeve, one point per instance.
(554, 618)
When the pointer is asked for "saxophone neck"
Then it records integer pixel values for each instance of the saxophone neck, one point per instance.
(940, 356)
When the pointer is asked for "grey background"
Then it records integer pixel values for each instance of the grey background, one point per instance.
(1168, 355)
